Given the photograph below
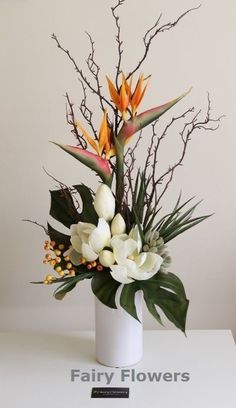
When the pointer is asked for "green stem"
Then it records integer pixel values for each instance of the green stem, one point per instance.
(119, 175)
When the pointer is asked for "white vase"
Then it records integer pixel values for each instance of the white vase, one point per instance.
(119, 336)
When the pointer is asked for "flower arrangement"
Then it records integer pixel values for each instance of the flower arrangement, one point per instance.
(117, 236)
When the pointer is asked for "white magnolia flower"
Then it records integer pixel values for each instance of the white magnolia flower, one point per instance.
(118, 225)
(130, 263)
(106, 258)
(88, 241)
(104, 202)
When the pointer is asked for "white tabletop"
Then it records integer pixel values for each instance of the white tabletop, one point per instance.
(35, 371)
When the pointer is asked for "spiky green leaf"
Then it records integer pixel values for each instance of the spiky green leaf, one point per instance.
(70, 283)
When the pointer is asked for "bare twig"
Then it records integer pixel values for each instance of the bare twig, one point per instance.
(188, 129)
(86, 112)
(70, 116)
(65, 190)
(94, 69)
(129, 161)
(150, 148)
(80, 72)
(154, 31)
(118, 39)
(38, 225)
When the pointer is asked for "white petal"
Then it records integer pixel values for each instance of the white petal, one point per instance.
(152, 261)
(118, 225)
(75, 257)
(106, 258)
(84, 227)
(140, 259)
(68, 251)
(119, 273)
(104, 202)
(76, 243)
(134, 234)
(88, 253)
(73, 229)
(100, 236)
(120, 237)
(123, 249)
(149, 268)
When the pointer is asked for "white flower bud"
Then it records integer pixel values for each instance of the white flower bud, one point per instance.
(106, 258)
(104, 202)
(118, 225)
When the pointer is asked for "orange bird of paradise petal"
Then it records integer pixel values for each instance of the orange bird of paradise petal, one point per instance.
(121, 97)
(103, 145)
(104, 135)
(124, 97)
(137, 95)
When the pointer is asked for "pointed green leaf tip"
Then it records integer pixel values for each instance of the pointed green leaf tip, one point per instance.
(143, 119)
(91, 160)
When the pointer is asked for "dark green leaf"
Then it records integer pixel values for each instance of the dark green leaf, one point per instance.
(189, 225)
(152, 308)
(88, 213)
(139, 226)
(169, 281)
(104, 288)
(60, 294)
(127, 298)
(174, 307)
(139, 205)
(179, 220)
(174, 212)
(58, 237)
(62, 207)
(136, 187)
(149, 225)
(168, 294)
(70, 284)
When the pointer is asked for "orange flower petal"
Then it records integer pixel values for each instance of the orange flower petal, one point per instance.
(104, 135)
(113, 93)
(89, 139)
(127, 86)
(138, 95)
(124, 97)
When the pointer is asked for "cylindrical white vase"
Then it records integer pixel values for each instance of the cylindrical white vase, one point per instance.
(119, 336)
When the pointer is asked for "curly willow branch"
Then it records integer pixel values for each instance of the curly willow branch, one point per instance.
(94, 69)
(118, 39)
(153, 32)
(189, 128)
(81, 73)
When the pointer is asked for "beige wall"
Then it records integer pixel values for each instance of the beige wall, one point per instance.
(34, 77)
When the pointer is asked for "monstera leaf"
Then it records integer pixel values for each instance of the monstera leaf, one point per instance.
(166, 291)
(58, 236)
(88, 213)
(63, 208)
(104, 288)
